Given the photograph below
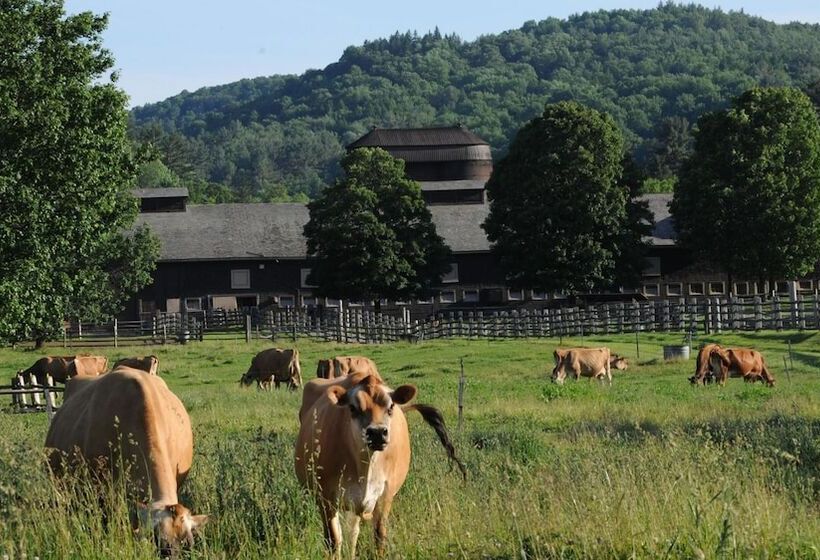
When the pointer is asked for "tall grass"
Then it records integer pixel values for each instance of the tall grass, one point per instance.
(648, 468)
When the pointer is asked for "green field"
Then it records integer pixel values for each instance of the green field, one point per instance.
(650, 467)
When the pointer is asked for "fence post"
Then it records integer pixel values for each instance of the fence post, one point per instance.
(116, 329)
(23, 398)
(65, 337)
(49, 396)
(247, 328)
(461, 395)
(35, 397)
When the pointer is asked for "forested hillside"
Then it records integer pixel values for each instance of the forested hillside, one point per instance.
(654, 71)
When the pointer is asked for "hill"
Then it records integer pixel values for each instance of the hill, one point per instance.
(656, 71)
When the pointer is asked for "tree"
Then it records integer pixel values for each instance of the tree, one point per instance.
(749, 197)
(67, 247)
(558, 214)
(372, 235)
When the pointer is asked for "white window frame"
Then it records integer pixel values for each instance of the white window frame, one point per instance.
(470, 296)
(655, 288)
(559, 295)
(777, 289)
(737, 292)
(330, 302)
(674, 292)
(355, 303)
(538, 295)
(287, 301)
(426, 301)
(240, 278)
(451, 298)
(303, 275)
(196, 306)
(801, 288)
(713, 292)
(515, 295)
(693, 292)
(309, 301)
(451, 276)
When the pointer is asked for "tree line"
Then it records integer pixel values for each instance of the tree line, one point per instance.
(654, 71)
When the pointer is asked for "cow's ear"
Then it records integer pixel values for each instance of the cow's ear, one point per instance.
(404, 394)
(198, 521)
(337, 395)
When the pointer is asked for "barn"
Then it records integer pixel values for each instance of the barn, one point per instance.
(233, 256)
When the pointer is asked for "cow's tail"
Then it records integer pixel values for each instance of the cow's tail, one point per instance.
(434, 417)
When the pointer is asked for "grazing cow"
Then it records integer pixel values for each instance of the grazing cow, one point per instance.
(353, 450)
(587, 362)
(704, 373)
(740, 362)
(276, 365)
(126, 418)
(148, 364)
(344, 365)
(618, 362)
(61, 368)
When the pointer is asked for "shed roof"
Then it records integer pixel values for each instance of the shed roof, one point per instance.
(460, 184)
(663, 231)
(274, 230)
(420, 137)
(174, 192)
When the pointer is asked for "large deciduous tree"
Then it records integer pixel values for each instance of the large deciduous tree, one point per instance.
(560, 217)
(748, 199)
(371, 233)
(67, 249)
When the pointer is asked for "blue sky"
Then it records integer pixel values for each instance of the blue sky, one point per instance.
(163, 47)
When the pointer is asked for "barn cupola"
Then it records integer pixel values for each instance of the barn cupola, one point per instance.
(451, 163)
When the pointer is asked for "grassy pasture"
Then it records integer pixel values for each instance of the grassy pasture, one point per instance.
(648, 468)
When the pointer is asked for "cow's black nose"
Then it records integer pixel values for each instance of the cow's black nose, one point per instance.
(377, 435)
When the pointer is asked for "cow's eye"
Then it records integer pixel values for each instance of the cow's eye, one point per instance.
(390, 408)
(353, 410)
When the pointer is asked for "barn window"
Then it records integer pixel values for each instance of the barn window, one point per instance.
(781, 287)
(333, 302)
(805, 285)
(515, 295)
(470, 296)
(223, 302)
(309, 301)
(696, 289)
(355, 303)
(447, 296)
(717, 288)
(172, 305)
(539, 294)
(193, 304)
(674, 289)
(559, 295)
(287, 301)
(147, 306)
(451, 276)
(742, 289)
(425, 301)
(652, 266)
(240, 278)
(304, 273)
(651, 290)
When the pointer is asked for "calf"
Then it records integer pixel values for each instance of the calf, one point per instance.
(274, 365)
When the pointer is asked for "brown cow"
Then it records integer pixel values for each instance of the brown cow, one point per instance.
(353, 450)
(740, 362)
(148, 364)
(147, 427)
(61, 368)
(581, 362)
(276, 365)
(704, 373)
(340, 366)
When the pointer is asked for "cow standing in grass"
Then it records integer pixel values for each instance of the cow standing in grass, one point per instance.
(62, 368)
(582, 362)
(274, 365)
(353, 450)
(129, 424)
(704, 372)
(148, 364)
(345, 365)
(740, 362)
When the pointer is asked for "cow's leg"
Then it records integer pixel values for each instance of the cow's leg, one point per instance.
(333, 531)
(354, 525)
(380, 515)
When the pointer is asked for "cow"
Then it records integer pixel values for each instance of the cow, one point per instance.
(581, 362)
(618, 362)
(740, 362)
(274, 365)
(353, 450)
(128, 424)
(344, 365)
(704, 373)
(148, 364)
(61, 368)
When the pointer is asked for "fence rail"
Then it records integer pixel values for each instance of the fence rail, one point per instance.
(684, 315)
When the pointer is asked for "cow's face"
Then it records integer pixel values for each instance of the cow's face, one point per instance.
(718, 361)
(618, 362)
(295, 375)
(173, 526)
(247, 379)
(372, 405)
(558, 374)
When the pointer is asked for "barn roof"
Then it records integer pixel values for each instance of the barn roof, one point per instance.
(274, 230)
(174, 192)
(663, 232)
(418, 137)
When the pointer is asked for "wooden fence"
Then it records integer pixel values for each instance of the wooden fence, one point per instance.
(684, 315)
(27, 395)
